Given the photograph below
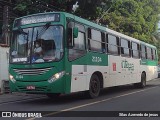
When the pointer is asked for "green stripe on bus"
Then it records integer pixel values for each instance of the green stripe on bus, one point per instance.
(148, 62)
(98, 59)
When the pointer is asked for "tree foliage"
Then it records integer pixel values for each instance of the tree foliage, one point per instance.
(25, 7)
(136, 18)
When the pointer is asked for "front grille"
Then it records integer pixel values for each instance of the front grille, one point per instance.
(37, 71)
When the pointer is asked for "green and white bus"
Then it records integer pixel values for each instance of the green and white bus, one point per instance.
(75, 55)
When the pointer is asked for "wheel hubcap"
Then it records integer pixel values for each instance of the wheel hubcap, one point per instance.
(94, 86)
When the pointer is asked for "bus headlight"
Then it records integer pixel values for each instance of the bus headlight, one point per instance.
(12, 78)
(56, 76)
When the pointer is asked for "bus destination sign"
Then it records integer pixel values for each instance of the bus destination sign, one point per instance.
(55, 17)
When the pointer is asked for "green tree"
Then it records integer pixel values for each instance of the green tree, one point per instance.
(136, 18)
(25, 7)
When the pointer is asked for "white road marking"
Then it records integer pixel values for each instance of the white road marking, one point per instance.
(88, 104)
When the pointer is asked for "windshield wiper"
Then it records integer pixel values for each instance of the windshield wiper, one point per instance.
(45, 27)
(20, 30)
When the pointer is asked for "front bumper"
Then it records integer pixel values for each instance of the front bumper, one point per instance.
(40, 86)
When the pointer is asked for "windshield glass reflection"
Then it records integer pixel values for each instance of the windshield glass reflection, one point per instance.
(38, 44)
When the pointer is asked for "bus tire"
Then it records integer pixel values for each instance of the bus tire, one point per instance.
(94, 87)
(142, 84)
(53, 95)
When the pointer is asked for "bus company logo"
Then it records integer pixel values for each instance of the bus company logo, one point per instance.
(21, 115)
(125, 64)
(6, 114)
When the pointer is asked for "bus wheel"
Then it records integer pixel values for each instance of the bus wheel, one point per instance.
(94, 87)
(53, 95)
(143, 80)
(142, 84)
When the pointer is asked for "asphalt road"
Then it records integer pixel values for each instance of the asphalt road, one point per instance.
(117, 101)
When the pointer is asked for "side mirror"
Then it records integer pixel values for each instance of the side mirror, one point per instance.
(75, 32)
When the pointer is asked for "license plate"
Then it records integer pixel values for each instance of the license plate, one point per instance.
(30, 87)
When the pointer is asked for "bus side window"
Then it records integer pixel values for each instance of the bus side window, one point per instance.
(76, 45)
(143, 52)
(125, 47)
(118, 45)
(103, 42)
(149, 55)
(156, 56)
(70, 34)
(129, 47)
(95, 40)
(89, 37)
(139, 49)
(153, 54)
(112, 44)
(107, 43)
(135, 50)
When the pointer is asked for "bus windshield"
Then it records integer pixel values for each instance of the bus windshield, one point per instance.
(37, 44)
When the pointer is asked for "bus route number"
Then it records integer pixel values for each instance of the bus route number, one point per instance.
(96, 59)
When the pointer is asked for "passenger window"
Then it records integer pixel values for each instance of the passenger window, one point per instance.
(70, 34)
(125, 47)
(153, 54)
(143, 52)
(95, 40)
(135, 50)
(76, 45)
(112, 45)
(149, 55)
(103, 42)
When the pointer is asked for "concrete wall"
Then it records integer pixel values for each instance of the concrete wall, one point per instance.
(4, 56)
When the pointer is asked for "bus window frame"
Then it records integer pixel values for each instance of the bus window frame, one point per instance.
(154, 54)
(63, 44)
(117, 44)
(129, 47)
(138, 49)
(104, 50)
(90, 39)
(149, 55)
(143, 58)
(68, 47)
